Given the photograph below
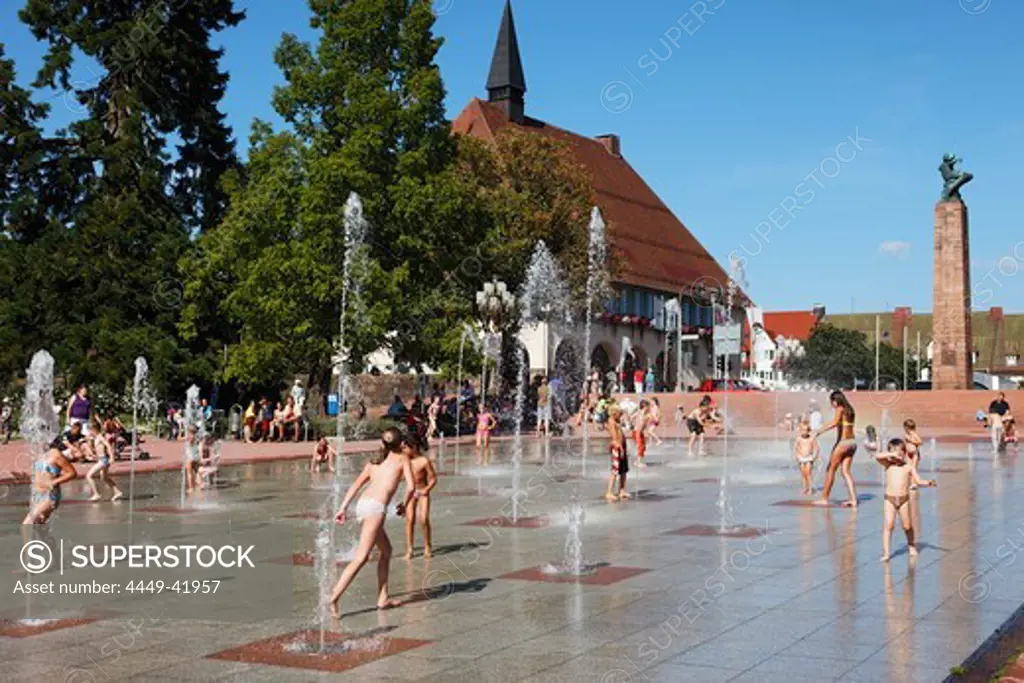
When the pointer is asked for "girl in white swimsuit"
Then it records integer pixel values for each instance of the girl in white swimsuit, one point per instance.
(383, 473)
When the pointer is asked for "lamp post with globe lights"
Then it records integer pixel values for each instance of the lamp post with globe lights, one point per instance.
(495, 305)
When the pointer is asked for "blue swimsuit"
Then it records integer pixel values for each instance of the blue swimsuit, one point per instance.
(54, 495)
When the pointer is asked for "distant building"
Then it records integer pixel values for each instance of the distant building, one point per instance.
(661, 259)
(997, 340)
(776, 338)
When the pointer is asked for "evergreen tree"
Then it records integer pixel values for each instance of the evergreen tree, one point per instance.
(366, 106)
(113, 267)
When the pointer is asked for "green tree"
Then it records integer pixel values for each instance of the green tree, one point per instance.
(113, 266)
(838, 356)
(366, 109)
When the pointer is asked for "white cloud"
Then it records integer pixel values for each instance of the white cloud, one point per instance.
(895, 249)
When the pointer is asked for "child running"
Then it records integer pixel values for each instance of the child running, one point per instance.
(425, 479)
(323, 454)
(655, 420)
(49, 472)
(620, 458)
(383, 473)
(806, 452)
(900, 473)
(695, 423)
(104, 447)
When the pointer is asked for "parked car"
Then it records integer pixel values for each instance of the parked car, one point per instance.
(713, 385)
(925, 385)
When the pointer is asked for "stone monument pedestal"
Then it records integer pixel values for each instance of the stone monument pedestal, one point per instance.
(952, 362)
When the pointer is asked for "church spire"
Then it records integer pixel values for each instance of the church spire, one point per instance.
(506, 84)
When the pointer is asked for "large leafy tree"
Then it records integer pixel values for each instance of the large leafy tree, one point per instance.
(838, 356)
(146, 160)
(366, 113)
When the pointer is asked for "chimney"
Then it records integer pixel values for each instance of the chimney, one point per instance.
(995, 314)
(818, 310)
(901, 316)
(612, 143)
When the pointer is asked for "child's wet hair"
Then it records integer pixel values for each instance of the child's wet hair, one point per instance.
(391, 442)
(909, 424)
(415, 441)
(896, 444)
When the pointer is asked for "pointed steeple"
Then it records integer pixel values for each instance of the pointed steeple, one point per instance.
(506, 84)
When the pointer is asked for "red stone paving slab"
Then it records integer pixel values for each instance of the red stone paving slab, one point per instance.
(506, 522)
(65, 501)
(602, 576)
(642, 497)
(273, 652)
(706, 480)
(810, 502)
(740, 531)
(168, 510)
(14, 628)
(303, 515)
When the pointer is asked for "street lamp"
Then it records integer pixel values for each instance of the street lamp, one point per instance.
(495, 305)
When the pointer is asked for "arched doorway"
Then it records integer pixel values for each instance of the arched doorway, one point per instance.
(601, 359)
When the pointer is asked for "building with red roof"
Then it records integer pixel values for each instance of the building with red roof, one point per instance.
(660, 258)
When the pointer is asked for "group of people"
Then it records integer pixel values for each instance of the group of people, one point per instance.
(1000, 422)
(266, 421)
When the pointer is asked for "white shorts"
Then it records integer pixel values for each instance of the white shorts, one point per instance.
(544, 413)
(367, 507)
(80, 421)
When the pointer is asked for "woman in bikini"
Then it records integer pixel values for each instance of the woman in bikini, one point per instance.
(50, 471)
(842, 453)
(383, 473)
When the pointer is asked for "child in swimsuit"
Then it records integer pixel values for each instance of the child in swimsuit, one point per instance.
(323, 454)
(382, 475)
(425, 479)
(104, 447)
(50, 471)
(485, 424)
(655, 420)
(871, 444)
(1009, 429)
(192, 459)
(806, 452)
(900, 473)
(913, 441)
(643, 418)
(620, 457)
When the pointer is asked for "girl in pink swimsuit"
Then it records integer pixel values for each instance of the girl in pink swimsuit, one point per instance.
(485, 424)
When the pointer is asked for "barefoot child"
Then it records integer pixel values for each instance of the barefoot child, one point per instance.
(104, 448)
(652, 424)
(425, 479)
(620, 458)
(900, 473)
(640, 425)
(49, 473)
(323, 454)
(871, 440)
(695, 424)
(383, 473)
(806, 452)
(913, 441)
(192, 459)
(485, 424)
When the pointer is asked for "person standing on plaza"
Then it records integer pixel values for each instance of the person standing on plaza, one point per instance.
(843, 422)
(299, 394)
(996, 410)
(544, 407)
(79, 409)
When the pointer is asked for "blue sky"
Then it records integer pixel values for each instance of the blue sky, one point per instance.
(727, 114)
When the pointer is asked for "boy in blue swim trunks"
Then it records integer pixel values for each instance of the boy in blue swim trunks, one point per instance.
(104, 453)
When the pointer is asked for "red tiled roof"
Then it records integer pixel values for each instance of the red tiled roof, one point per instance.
(659, 252)
(790, 324)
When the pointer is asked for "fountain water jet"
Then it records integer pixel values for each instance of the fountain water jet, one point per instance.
(194, 422)
(356, 230)
(544, 299)
(596, 280)
(39, 423)
(142, 400)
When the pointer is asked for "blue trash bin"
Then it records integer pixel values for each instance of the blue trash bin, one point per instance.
(332, 405)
